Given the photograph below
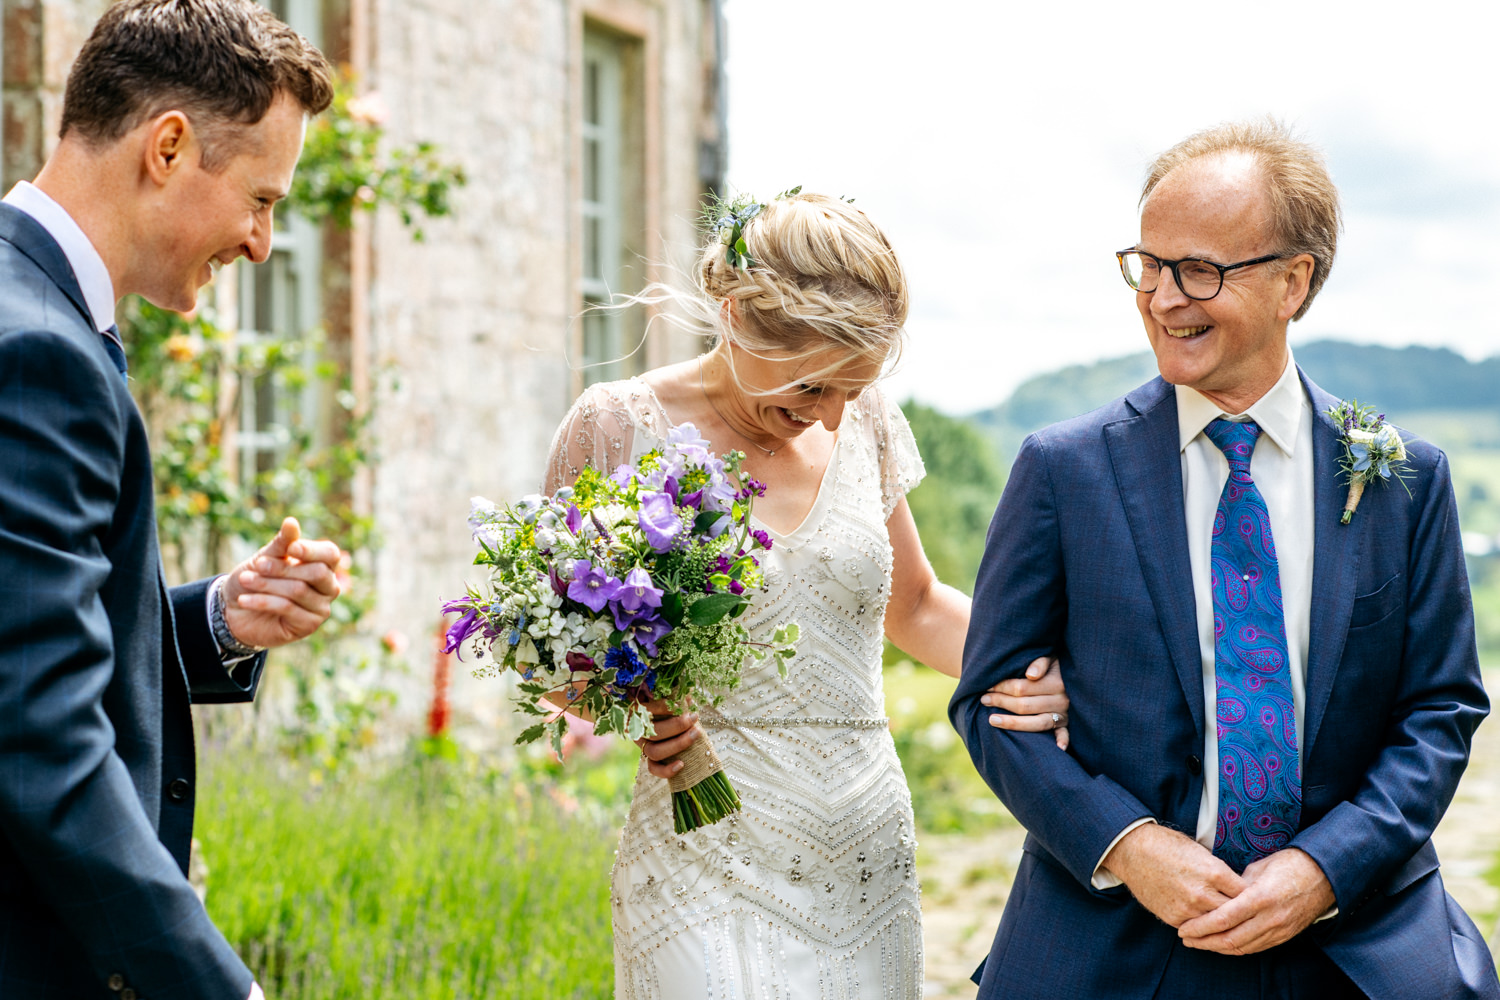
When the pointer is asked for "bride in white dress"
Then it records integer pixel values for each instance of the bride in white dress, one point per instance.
(811, 890)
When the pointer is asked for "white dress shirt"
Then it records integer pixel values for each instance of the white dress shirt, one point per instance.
(1282, 467)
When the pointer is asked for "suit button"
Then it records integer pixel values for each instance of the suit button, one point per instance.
(117, 982)
(1194, 765)
(179, 789)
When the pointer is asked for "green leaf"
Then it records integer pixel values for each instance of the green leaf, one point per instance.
(712, 608)
(706, 520)
(532, 734)
(671, 608)
(637, 725)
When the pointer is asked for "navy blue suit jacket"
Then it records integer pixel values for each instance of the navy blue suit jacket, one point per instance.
(99, 662)
(1087, 558)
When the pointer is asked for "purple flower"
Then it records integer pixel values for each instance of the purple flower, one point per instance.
(762, 538)
(736, 588)
(622, 476)
(637, 592)
(577, 661)
(691, 446)
(574, 519)
(658, 519)
(753, 487)
(592, 587)
(460, 631)
(647, 632)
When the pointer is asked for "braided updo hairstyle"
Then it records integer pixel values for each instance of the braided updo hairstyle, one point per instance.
(823, 276)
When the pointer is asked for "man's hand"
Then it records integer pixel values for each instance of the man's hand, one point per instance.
(1283, 895)
(1035, 701)
(674, 734)
(284, 591)
(1172, 875)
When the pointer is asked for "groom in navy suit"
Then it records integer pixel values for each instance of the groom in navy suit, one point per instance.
(182, 122)
(1270, 709)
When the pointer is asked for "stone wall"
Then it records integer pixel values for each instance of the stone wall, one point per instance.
(472, 330)
(40, 39)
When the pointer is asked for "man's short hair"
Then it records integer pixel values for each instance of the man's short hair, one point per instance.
(1304, 203)
(220, 62)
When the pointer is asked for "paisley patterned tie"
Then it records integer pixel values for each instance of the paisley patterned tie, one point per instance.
(1260, 770)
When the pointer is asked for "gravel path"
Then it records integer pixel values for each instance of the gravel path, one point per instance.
(965, 879)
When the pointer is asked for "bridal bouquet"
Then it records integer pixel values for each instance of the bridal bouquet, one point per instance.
(620, 590)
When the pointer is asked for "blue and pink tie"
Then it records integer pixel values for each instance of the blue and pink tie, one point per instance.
(1260, 770)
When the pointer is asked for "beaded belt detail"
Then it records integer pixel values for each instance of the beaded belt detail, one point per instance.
(780, 722)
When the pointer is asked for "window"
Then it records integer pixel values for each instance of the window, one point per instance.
(612, 154)
(278, 301)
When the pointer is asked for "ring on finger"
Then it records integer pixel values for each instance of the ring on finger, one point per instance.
(1056, 719)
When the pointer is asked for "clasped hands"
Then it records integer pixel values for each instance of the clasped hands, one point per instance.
(1212, 908)
(1033, 700)
(284, 592)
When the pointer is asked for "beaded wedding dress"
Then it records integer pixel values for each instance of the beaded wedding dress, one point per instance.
(810, 892)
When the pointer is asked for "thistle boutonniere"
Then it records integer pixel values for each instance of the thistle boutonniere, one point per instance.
(1373, 450)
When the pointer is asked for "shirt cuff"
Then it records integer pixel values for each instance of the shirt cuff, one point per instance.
(230, 660)
(1103, 877)
(255, 993)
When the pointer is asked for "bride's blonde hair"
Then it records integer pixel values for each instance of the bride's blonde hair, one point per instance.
(822, 275)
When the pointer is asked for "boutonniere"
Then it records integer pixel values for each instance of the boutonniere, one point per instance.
(1373, 450)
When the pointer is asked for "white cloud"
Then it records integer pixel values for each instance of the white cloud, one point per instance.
(1002, 145)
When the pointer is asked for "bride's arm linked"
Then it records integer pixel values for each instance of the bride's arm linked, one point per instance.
(928, 620)
(598, 431)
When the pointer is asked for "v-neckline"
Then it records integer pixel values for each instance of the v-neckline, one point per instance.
(808, 526)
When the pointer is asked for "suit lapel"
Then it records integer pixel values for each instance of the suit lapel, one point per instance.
(1147, 462)
(1336, 552)
(27, 235)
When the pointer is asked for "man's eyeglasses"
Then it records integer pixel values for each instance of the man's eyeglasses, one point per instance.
(1198, 279)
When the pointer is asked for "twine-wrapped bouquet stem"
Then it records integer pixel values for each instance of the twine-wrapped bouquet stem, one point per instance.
(701, 792)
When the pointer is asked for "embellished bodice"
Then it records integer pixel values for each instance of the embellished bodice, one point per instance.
(821, 859)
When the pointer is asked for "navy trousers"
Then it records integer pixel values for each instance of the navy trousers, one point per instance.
(1297, 970)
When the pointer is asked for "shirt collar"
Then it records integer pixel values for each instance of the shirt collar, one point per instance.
(1279, 413)
(88, 266)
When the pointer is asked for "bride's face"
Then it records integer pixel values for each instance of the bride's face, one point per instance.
(787, 395)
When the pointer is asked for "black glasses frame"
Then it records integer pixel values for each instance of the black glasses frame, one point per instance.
(1171, 265)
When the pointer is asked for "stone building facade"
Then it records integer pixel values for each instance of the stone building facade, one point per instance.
(588, 131)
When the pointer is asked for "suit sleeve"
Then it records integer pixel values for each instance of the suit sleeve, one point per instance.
(68, 807)
(209, 682)
(1020, 613)
(1441, 701)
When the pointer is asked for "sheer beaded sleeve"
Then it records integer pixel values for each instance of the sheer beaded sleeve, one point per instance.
(597, 431)
(901, 467)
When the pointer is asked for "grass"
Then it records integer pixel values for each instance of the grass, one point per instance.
(430, 882)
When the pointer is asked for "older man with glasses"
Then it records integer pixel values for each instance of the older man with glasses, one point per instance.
(1271, 707)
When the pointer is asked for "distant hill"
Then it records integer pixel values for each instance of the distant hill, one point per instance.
(1406, 382)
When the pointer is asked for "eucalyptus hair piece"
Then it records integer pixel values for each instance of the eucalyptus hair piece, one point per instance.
(727, 220)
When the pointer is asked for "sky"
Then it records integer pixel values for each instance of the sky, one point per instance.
(1002, 145)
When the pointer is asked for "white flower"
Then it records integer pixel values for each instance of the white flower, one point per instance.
(1388, 439)
(1360, 436)
(526, 653)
